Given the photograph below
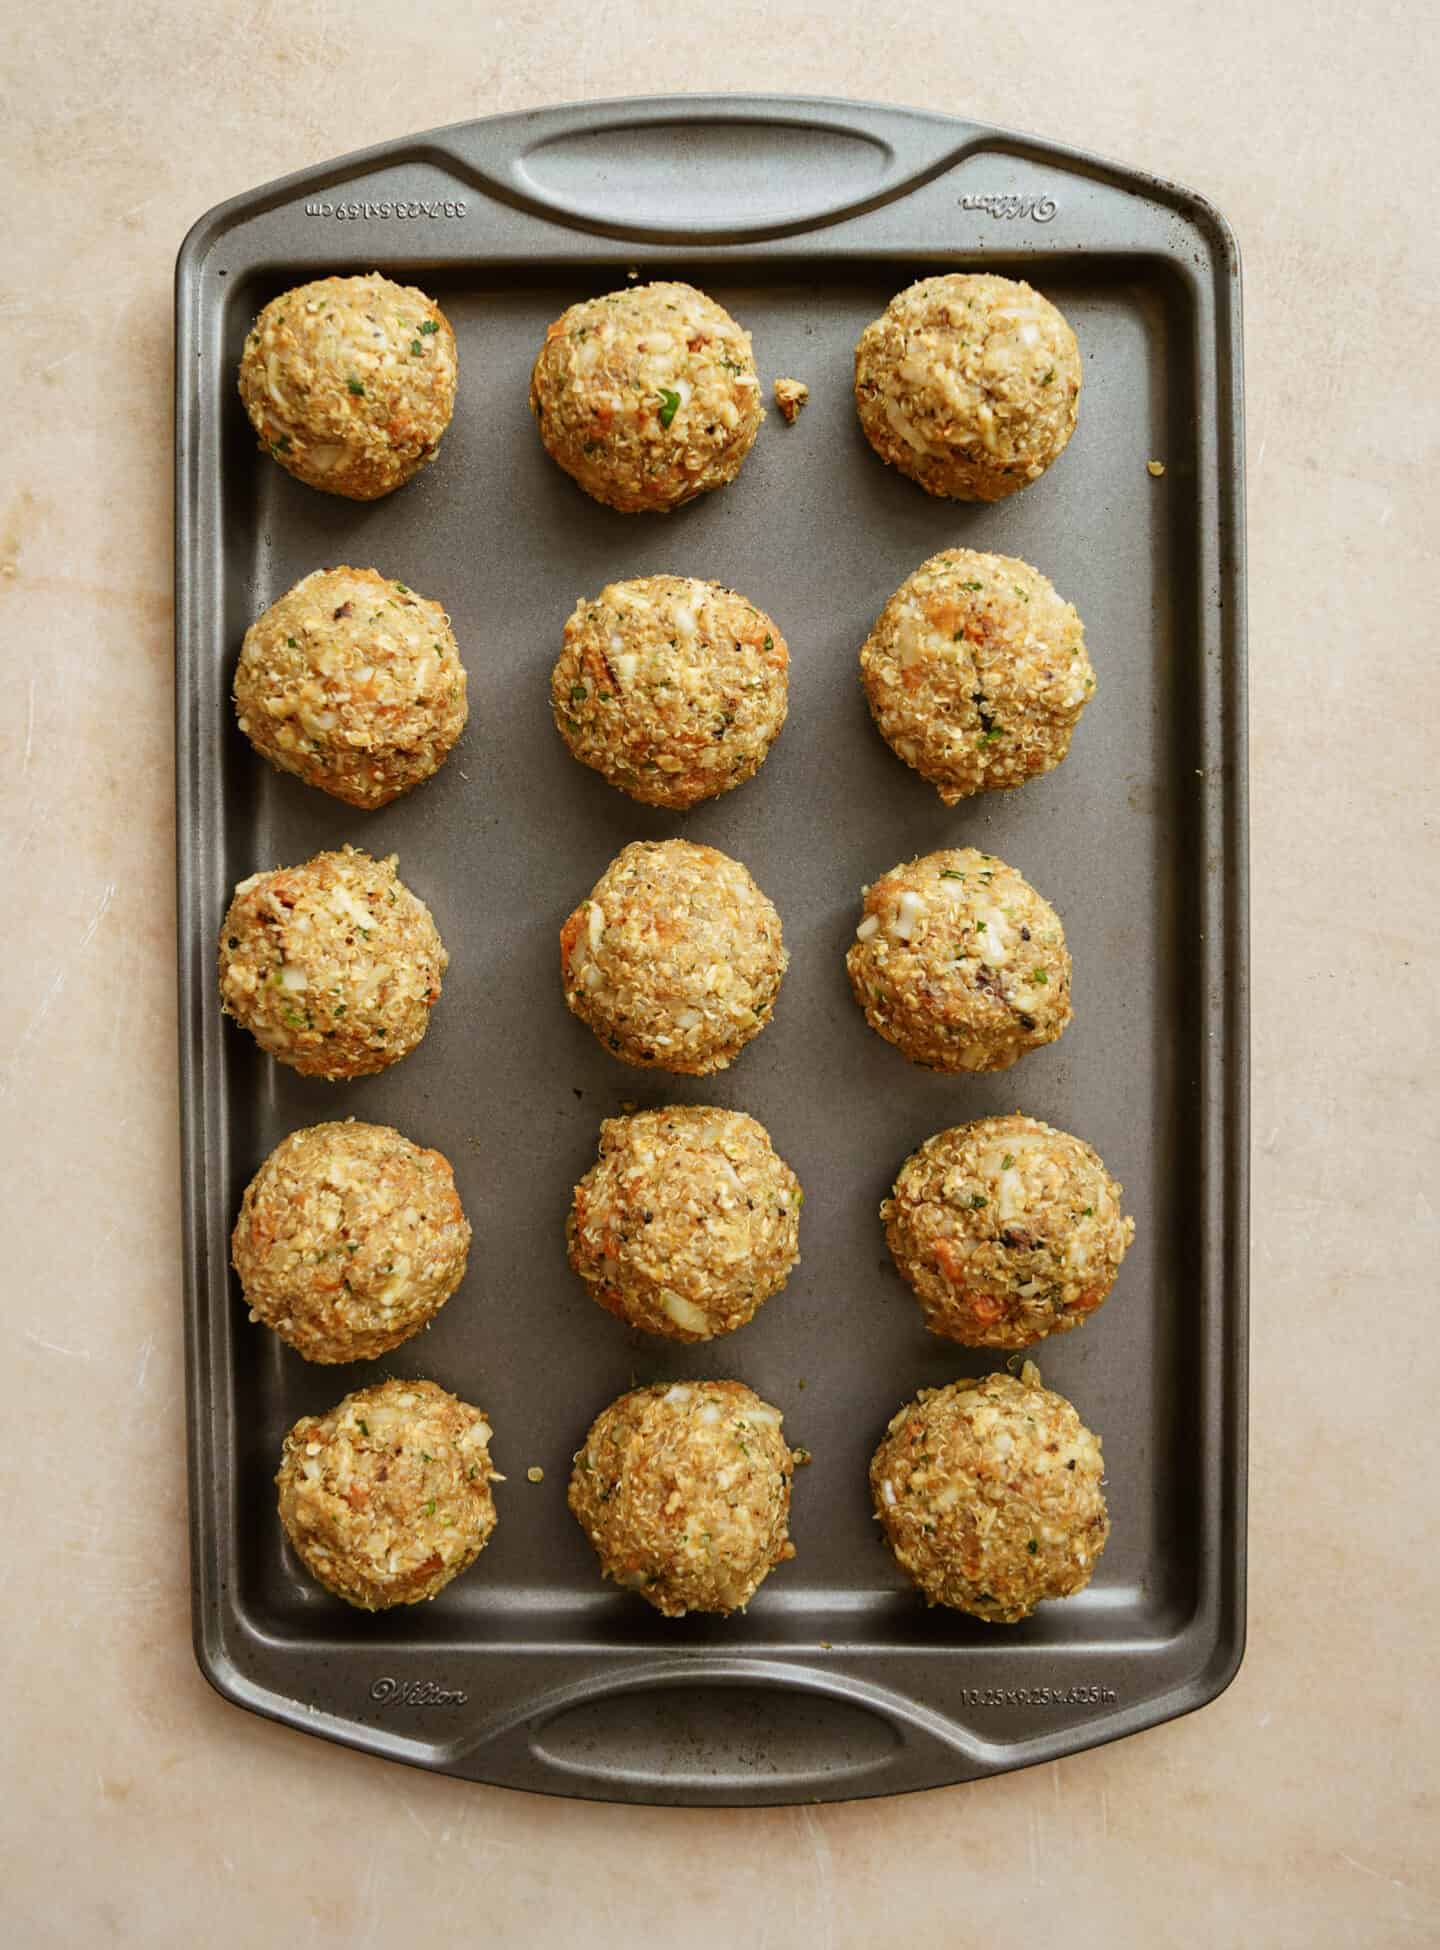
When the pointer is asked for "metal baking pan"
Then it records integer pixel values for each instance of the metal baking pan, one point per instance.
(803, 217)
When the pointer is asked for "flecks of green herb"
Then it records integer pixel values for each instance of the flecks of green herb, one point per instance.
(430, 325)
(416, 348)
(977, 1200)
(1087, 1211)
(972, 585)
(363, 1425)
(1007, 1161)
(291, 641)
(430, 1508)
(1048, 377)
(1033, 1547)
(951, 873)
(669, 407)
(578, 693)
(356, 388)
(1039, 975)
(769, 643)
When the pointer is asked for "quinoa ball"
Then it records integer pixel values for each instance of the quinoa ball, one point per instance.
(976, 673)
(350, 383)
(354, 683)
(673, 689)
(687, 1223)
(1007, 1229)
(387, 1497)
(960, 963)
(333, 966)
(350, 1239)
(647, 396)
(989, 1494)
(683, 1488)
(970, 384)
(675, 959)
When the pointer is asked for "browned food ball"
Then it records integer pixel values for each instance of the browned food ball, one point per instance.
(350, 383)
(687, 1223)
(989, 1494)
(647, 396)
(976, 673)
(387, 1498)
(675, 959)
(350, 1239)
(684, 1490)
(970, 384)
(1007, 1230)
(333, 966)
(353, 683)
(960, 963)
(673, 689)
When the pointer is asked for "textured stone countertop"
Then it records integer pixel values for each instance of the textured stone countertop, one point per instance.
(1301, 1809)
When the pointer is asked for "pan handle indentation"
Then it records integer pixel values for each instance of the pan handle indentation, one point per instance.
(709, 169)
(725, 1733)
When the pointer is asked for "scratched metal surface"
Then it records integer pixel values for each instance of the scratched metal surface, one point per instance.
(803, 219)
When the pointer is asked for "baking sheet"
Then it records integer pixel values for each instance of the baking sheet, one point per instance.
(528, 1671)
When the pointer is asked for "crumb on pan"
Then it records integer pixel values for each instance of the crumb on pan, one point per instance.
(1155, 467)
(790, 397)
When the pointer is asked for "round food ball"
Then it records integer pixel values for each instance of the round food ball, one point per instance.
(970, 384)
(959, 963)
(688, 1223)
(647, 396)
(675, 959)
(350, 1239)
(353, 683)
(684, 1490)
(350, 383)
(989, 1494)
(333, 966)
(1007, 1230)
(673, 689)
(387, 1497)
(976, 673)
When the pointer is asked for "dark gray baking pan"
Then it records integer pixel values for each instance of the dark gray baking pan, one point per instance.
(803, 217)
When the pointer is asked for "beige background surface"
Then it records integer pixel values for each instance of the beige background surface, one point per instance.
(1302, 1808)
